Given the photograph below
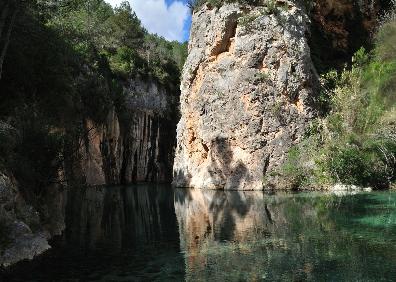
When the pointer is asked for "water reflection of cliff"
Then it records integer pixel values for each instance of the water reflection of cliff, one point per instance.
(245, 236)
(124, 233)
(120, 217)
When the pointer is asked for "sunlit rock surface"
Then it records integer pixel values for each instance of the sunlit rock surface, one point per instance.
(249, 86)
(247, 95)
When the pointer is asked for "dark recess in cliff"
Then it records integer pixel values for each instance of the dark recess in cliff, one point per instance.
(340, 27)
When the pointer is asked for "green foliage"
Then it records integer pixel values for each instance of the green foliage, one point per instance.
(195, 4)
(363, 164)
(328, 83)
(261, 77)
(271, 6)
(355, 141)
(294, 169)
(277, 111)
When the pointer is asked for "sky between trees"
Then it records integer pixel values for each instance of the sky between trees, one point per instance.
(168, 18)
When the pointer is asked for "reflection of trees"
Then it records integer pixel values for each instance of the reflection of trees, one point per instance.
(244, 237)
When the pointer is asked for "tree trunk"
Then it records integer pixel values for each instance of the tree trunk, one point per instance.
(7, 38)
(3, 16)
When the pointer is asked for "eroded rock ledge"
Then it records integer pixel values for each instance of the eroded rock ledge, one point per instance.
(247, 95)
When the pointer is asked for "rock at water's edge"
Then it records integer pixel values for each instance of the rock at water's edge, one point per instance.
(247, 89)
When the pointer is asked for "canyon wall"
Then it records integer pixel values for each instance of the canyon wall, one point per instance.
(132, 145)
(135, 145)
(247, 95)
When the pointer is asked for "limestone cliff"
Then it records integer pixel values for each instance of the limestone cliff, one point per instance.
(135, 145)
(250, 84)
(24, 231)
(247, 94)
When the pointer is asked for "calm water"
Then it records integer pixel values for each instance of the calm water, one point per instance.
(155, 233)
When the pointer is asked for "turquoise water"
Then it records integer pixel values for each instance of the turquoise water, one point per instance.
(156, 233)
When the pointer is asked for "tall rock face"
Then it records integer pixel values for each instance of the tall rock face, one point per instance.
(136, 145)
(247, 95)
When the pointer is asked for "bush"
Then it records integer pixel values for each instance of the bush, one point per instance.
(37, 158)
(355, 142)
(370, 164)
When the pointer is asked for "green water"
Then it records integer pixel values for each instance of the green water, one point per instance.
(155, 233)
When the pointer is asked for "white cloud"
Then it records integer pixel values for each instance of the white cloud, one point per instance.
(157, 17)
(114, 2)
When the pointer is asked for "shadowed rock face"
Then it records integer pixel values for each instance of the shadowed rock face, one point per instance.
(137, 147)
(247, 90)
(340, 27)
(22, 232)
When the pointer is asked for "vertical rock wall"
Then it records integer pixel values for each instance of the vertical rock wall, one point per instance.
(247, 90)
(139, 146)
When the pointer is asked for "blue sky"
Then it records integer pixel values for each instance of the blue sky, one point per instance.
(168, 18)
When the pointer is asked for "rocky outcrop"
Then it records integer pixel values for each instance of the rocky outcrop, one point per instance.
(247, 89)
(20, 234)
(27, 220)
(136, 145)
